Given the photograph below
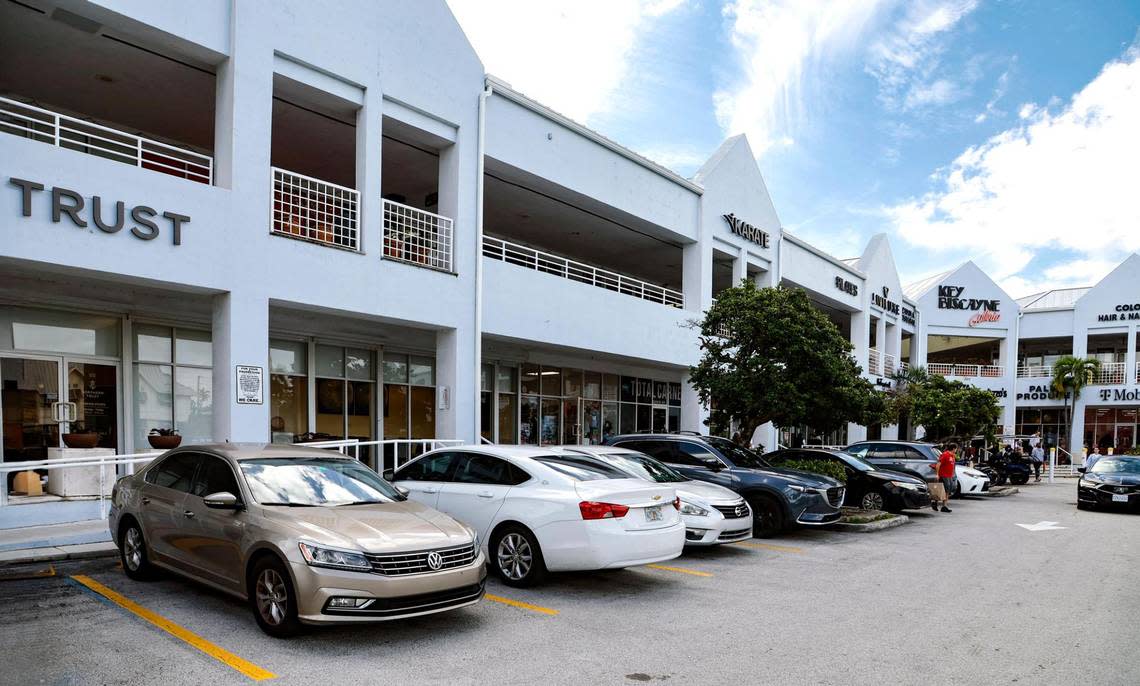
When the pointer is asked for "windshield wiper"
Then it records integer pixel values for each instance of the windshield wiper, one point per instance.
(362, 502)
(289, 504)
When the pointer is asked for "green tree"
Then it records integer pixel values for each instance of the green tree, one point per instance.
(946, 409)
(1070, 375)
(769, 355)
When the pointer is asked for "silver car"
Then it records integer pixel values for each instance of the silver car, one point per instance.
(306, 536)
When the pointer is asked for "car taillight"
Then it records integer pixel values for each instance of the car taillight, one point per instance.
(593, 510)
(677, 503)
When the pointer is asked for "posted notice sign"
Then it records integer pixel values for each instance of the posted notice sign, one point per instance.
(249, 387)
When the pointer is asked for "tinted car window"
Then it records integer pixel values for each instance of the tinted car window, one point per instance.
(581, 469)
(487, 469)
(1116, 465)
(863, 450)
(886, 451)
(430, 468)
(911, 453)
(175, 472)
(661, 450)
(693, 454)
(215, 476)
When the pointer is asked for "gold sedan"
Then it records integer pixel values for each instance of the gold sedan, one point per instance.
(306, 536)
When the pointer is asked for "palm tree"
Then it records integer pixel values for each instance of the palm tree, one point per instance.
(1070, 375)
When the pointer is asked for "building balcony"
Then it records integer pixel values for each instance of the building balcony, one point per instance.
(522, 256)
(63, 131)
(316, 211)
(1034, 371)
(984, 371)
(418, 237)
(874, 362)
(1111, 374)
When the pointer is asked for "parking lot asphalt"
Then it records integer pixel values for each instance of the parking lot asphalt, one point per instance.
(967, 597)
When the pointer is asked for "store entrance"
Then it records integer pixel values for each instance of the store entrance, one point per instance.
(1125, 437)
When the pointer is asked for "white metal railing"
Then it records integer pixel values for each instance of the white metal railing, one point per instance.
(60, 130)
(874, 362)
(102, 462)
(988, 371)
(417, 237)
(904, 367)
(402, 449)
(1111, 373)
(530, 258)
(889, 364)
(315, 210)
(1034, 371)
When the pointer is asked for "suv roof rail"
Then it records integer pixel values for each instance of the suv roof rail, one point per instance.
(687, 433)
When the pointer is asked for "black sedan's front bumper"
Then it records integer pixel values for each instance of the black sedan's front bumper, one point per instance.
(1108, 496)
(908, 499)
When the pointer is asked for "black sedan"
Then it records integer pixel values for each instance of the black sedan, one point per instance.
(1112, 483)
(868, 487)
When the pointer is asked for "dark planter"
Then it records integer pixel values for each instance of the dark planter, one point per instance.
(163, 442)
(85, 440)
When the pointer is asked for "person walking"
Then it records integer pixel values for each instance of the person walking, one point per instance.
(1092, 458)
(946, 468)
(1037, 458)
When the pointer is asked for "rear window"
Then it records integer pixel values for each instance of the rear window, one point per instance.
(581, 469)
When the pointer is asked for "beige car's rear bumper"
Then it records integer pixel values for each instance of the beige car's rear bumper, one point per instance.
(394, 597)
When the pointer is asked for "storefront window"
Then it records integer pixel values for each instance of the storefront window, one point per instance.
(486, 410)
(552, 381)
(550, 422)
(173, 383)
(409, 403)
(508, 404)
(288, 390)
(528, 421)
(59, 332)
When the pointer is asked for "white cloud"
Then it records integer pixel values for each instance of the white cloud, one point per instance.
(1063, 178)
(570, 56)
(778, 42)
(938, 92)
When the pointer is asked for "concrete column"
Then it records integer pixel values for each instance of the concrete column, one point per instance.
(693, 413)
(860, 332)
(243, 109)
(456, 414)
(240, 337)
(1077, 431)
(740, 267)
(856, 432)
(369, 150)
(696, 262)
(1130, 358)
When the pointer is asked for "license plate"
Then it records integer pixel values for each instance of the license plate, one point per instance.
(1117, 498)
(653, 514)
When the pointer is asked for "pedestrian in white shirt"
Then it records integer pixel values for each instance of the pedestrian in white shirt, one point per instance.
(1037, 457)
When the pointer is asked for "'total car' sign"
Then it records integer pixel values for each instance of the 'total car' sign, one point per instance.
(747, 231)
(65, 201)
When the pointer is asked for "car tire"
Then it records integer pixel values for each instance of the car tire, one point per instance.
(132, 552)
(874, 499)
(272, 598)
(767, 517)
(516, 557)
(998, 479)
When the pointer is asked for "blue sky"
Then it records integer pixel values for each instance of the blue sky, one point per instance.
(1007, 131)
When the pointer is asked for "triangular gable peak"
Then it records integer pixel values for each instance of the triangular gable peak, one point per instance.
(967, 298)
(1115, 299)
(737, 206)
(884, 289)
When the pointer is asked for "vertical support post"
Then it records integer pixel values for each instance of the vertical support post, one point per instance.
(240, 337)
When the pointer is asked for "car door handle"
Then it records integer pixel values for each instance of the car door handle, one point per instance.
(146, 501)
(188, 514)
(485, 494)
(431, 490)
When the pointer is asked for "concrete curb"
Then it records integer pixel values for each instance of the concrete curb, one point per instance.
(55, 553)
(1000, 492)
(870, 527)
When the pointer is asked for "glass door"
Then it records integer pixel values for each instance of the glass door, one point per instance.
(591, 422)
(1125, 438)
(29, 388)
(94, 390)
(572, 421)
(660, 419)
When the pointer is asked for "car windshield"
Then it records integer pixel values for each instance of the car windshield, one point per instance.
(856, 462)
(643, 467)
(1117, 465)
(741, 457)
(582, 468)
(315, 481)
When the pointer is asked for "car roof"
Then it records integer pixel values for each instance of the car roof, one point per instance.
(250, 451)
(659, 436)
(889, 440)
(594, 449)
(504, 450)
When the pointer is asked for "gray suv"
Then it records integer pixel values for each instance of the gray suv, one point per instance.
(780, 498)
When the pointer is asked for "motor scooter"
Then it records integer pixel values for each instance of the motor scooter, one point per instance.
(1005, 467)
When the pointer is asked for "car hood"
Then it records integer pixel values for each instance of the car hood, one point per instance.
(794, 476)
(1115, 479)
(379, 528)
(709, 493)
(888, 475)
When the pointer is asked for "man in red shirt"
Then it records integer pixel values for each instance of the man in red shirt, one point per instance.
(945, 467)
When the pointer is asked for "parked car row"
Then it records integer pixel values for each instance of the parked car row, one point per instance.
(308, 536)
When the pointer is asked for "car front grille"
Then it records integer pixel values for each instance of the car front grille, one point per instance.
(736, 511)
(402, 564)
(1117, 488)
(734, 535)
(414, 604)
(835, 496)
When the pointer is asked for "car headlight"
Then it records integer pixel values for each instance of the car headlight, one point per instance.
(798, 488)
(475, 541)
(906, 484)
(688, 508)
(317, 556)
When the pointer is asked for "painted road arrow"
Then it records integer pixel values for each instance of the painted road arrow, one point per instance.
(1042, 526)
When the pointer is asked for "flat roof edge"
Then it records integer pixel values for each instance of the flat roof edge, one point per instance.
(820, 253)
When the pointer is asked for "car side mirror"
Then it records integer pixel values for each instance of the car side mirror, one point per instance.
(223, 500)
(1082, 470)
(402, 491)
(388, 474)
(712, 463)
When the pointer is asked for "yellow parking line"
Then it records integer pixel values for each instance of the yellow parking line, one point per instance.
(220, 654)
(519, 603)
(769, 546)
(679, 570)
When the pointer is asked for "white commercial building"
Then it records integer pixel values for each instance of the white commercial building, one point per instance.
(284, 221)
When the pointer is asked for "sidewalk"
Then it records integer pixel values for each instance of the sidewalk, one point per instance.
(53, 530)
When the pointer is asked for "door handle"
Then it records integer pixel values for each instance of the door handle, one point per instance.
(431, 490)
(188, 514)
(146, 501)
(485, 494)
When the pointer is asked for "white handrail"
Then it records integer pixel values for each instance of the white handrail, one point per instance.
(1111, 373)
(1034, 371)
(989, 371)
(63, 131)
(521, 255)
(314, 210)
(417, 237)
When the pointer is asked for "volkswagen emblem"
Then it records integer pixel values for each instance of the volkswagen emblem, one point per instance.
(434, 560)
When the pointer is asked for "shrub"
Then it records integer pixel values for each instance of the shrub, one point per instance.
(824, 467)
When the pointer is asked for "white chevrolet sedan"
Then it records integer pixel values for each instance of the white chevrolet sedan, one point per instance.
(536, 511)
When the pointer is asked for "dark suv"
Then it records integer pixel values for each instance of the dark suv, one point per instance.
(908, 457)
(780, 498)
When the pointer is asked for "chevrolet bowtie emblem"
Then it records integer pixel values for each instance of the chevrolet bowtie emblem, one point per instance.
(657, 497)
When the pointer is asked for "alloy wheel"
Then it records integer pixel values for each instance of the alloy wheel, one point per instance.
(872, 500)
(272, 598)
(132, 548)
(515, 556)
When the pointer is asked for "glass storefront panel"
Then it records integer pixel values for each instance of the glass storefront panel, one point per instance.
(507, 411)
(59, 332)
(194, 348)
(94, 389)
(610, 387)
(628, 418)
(528, 422)
(531, 379)
(571, 429)
(289, 407)
(609, 420)
(360, 409)
(506, 380)
(330, 407)
(485, 415)
(674, 419)
(552, 381)
(571, 383)
(421, 372)
(154, 401)
(194, 403)
(592, 386)
(422, 412)
(395, 410)
(152, 343)
(288, 357)
(592, 422)
(330, 361)
(660, 419)
(29, 387)
(358, 364)
(644, 418)
(395, 368)
(551, 414)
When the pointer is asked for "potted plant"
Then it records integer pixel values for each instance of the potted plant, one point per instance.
(164, 439)
(80, 437)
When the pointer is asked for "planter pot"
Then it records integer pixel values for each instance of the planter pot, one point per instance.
(164, 442)
(86, 440)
